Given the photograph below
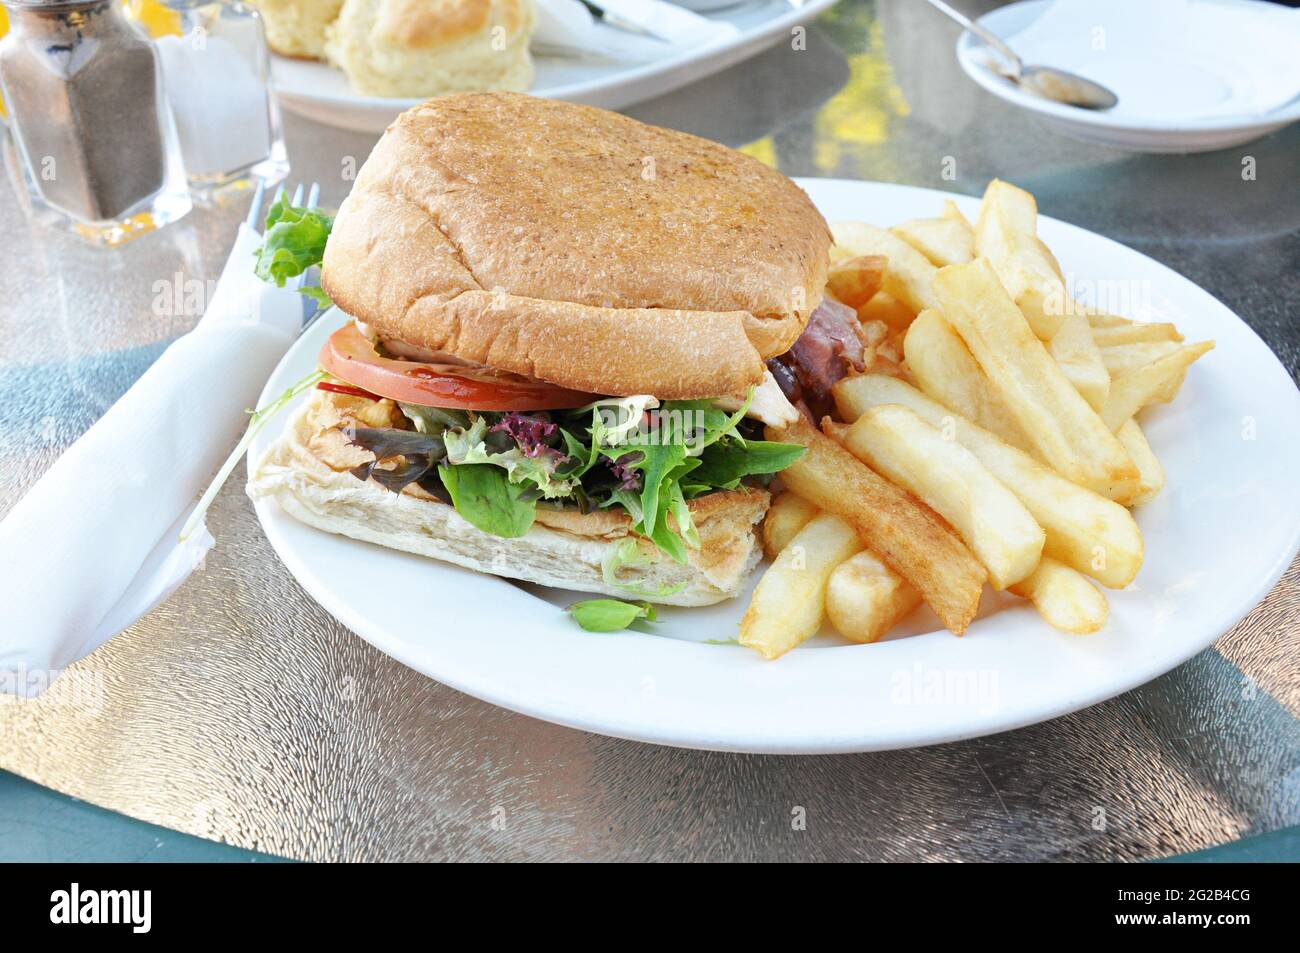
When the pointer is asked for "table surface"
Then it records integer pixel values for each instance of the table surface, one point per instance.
(241, 712)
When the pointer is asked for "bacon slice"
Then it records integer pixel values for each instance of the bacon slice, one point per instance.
(831, 347)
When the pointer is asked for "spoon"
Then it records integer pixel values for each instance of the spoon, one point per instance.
(1045, 81)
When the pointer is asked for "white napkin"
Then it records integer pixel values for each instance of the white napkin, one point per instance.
(1173, 59)
(567, 28)
(94, 544)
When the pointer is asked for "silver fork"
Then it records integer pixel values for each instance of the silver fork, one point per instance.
(309, 278)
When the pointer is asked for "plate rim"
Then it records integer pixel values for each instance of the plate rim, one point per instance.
(968, 46)
(495, 689)
(791, 17)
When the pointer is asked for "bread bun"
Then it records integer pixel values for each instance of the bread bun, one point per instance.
(297, 27)
(427, 47)
(305, 472)
(577, 246)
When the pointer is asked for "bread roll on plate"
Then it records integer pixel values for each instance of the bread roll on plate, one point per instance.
(536, 236)
(426, 47)
(297, 27)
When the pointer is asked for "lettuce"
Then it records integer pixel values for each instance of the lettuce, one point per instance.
(294, 240)
(419, 456)
(434, 420)
(487, 499)
(647, 457)
(730, 460)
(609, 615)
(677, 450)
(468, 446)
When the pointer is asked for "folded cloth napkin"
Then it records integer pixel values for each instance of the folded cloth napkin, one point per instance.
(659, 30)
(94, 544)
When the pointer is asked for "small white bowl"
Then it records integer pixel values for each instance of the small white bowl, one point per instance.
(1179, 118)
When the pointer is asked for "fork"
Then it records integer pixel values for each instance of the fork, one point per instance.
(309, 278)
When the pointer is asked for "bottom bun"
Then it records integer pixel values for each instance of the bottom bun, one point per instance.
(306, 473)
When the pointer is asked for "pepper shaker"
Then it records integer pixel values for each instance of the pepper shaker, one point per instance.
(95, 147)
(217, 73)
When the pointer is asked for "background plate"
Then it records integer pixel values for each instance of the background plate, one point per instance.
(322, 93)
(1217, 538)
(1132, 133)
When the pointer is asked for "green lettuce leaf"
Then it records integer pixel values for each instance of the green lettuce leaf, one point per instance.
(658, 462)
(434, 420)
(609, 615)
(615, 419)
(729, 461)
(469, 446)
(294, 241)
(484, 495)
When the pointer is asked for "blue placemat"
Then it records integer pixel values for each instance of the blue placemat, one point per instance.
(38, 825)
(1277, 847)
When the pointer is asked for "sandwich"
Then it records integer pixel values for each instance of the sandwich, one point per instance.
(553, 359)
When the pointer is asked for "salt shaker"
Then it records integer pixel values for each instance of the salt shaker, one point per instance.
(217, 76)
(96, 148)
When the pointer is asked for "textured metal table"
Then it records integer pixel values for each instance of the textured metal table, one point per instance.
(241, 712)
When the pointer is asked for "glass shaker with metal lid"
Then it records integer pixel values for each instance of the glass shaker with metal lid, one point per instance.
(217, 68)
(95, 145)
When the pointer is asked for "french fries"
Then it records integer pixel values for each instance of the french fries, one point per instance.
(950, 210)
(949, 479)
(994, 438)
(1080, 360)
(1064, 598)
(1083, 530)
(785, 517)
(1006, 233)
(1052, 262)
(1150, 384)
(904, 533)
(1063, 429)
(1152, 479)
(886, 308)
(864, 598)
(1121, 359)
(944, 241)
(944, 368)
(1134, 333)
(1101, 319)
(790, 599)
(909, 274)
(854, 281)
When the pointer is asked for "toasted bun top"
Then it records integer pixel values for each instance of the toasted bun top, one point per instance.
(577, 246)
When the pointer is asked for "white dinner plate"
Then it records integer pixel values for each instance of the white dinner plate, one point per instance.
(1217, 538)
(1181, 88)
(322, 93)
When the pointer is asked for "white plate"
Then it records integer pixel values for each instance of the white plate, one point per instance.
(1217, 539)
(322, 93)
(1163, 86)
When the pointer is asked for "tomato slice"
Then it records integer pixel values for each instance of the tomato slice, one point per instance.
(350, 356)
(347, 389)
